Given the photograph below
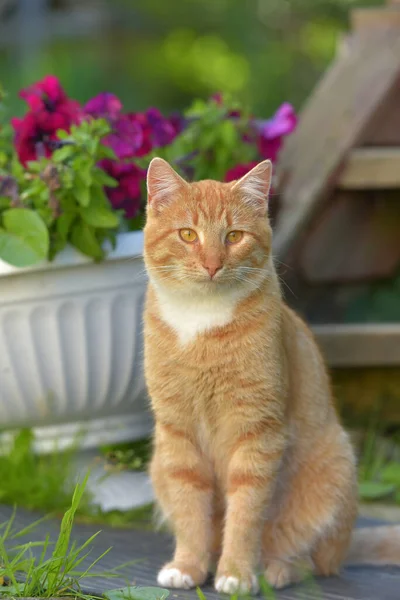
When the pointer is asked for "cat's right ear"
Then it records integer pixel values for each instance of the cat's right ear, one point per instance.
(163, 184)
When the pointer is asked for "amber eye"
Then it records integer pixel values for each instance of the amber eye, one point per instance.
(188, 235)
(234, 237)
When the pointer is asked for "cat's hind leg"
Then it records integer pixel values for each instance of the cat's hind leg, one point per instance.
(312, 526)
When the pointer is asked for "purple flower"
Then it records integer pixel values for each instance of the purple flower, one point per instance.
(178, 122)
(239, 171)
(49, 110)
(272, 131)
(104, 105)
(162, 130)
(126, 136)
(128, 193)
(133, 134)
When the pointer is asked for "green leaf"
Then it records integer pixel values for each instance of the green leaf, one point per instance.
(63, 153)
(62, 134)
(104, 179)
(106, 152)
(64, 223)
(391, 473)
(24, 241)
(34, 166)
(82, 191)
(137, 593)
(84, 239)
(4, 202)
(228, 134)
(372, 490)
(137, 223)
(110, 236)
(99, 216)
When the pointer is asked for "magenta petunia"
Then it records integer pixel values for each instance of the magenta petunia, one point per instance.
(272, 131)
(128, 193)
(49, 110)
(218, 98)
(126, 137)
(46, 92)
(162, 130)
(51, 105)
(133, 134)
(104, 105)
(239, 171)
(30, 139)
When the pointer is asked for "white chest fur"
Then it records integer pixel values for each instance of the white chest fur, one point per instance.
(190, 316)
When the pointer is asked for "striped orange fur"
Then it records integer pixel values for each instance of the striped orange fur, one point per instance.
(251, 465)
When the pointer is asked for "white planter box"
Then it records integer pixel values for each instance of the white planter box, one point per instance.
(71, 347)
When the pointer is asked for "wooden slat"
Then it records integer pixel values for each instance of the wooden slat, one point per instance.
(371, 168)
(363, 19)
(360, 345)
(330, 125)
(355, 239)
(384, 129)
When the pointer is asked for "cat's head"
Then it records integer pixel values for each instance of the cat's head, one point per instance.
(207, 236)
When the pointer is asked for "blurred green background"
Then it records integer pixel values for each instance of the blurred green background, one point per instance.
(165, 52)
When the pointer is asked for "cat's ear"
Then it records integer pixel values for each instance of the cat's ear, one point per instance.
(163, 183)
(255, 185)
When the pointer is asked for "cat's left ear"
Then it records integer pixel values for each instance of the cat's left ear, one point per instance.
(163, 183)
(255, 185)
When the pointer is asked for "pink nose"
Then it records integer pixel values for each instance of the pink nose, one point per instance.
(212, 268)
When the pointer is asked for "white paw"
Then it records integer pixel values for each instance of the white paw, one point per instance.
(233, 585)
(174, 578)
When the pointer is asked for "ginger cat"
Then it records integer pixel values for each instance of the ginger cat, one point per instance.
(251, 466)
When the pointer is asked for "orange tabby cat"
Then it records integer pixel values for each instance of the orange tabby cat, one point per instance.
(251, 465)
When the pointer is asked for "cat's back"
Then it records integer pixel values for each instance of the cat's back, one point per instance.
(310, 397)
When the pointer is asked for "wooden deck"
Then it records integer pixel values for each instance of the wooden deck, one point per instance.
(152, 550)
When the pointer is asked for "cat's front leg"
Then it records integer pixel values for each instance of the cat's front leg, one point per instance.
(183, 486)
(250, 482)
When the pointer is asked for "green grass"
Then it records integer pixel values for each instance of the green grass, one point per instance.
(33, 481)
(131, 456)
(56, 568)
(136, 518)
(46, 482)
(379, 467)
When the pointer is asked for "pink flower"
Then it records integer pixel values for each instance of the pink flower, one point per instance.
(157, 130)
(28, 136)
(49, 110)
(133, 134)
(126, 136)
(104, 105)
(140, 120)
(128, 193)
(219, 99)
(52, 107)
(272, 131)
(239, 171)
(162, 130)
